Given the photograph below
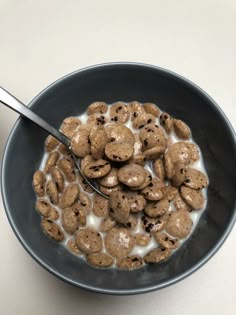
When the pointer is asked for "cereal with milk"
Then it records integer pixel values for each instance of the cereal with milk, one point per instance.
(148, 165)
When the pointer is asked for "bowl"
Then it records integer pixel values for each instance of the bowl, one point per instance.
(70, 96)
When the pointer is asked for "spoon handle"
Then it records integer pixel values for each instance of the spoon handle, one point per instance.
(10, 101)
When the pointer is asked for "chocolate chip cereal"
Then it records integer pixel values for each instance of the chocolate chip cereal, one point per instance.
(145, 162)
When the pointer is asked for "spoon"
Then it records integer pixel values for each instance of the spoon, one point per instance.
(10, 101)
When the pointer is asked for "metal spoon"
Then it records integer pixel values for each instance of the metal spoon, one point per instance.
(10, 101)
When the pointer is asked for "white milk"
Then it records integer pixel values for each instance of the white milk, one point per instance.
(94, 222)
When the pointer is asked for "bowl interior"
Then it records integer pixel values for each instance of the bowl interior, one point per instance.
(125, 82)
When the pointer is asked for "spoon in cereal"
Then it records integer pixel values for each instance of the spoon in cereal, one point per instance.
(12, 102)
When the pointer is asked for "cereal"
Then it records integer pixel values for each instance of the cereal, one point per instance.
(58, 178)
(192, 197)
(132, 154)
(52, 192)
(69, 196)
(130, 262)
(151, 108)
(181, 129)
(97, 107)
(69, 126)
(69, 220)
(179, 224)
(157, 255)
(167, 122)
(119, 112)
(132, 175)
(100, 260)
(52, 230)
(97, 168)
(39, 183)
(89, 241)
(51, 161)
(119, 242)
(119, 208)
(100, 206)
(51, 143)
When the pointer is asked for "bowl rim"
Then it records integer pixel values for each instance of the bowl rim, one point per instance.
(161, 285)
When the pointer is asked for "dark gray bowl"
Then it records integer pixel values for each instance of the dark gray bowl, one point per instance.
(125, 82)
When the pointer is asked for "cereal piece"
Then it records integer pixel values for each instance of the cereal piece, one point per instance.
(154, 153)
(181, 129)
(179, 171)
(108, 190)
(69, 196)
(195, 179)
(166, 122)
(146, 182)
(137, 144)
(100, 260)
(97, 119)
(164, 240)
(151, 109)
(58, 178)
(168, 165)
(63, 149)
(157, 209)
(97, 107)
(39, 183)
(69, 220)
(71, 245)
(100, 206)
(142, 239)
(136, 201)
(89, 241)
(151, 136)
(132, 222)
(51, 143)
(46, 210)
(132, 175)
(119, 133)
(119, 112)
(157, 255)
(69, 126)
(52, 192)
(85, 202)
(85, 161)
(81, 214)
(183, 152)
(119, 242)
(66, 165)
(169, 192)
(158, 168)
(192, 197)
(52, 230)
(180, 204)
(137, 159)
(84, 185)
(119, 152)
(51, 161)
(110, 180)
(130, 262)
(98, 139)
(154, 190)
(97, 168)
(80, 143)
(179, 224)
(119, 208)
(107, 224)
(136, 109)
(152, 225)
(142, 120)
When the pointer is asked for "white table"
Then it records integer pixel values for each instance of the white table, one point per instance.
(41, 41)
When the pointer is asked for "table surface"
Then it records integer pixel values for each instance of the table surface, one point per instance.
(44, 40)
